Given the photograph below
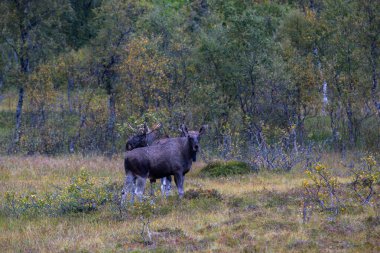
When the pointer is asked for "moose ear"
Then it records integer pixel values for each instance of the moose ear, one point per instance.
(203, 130)
(184, 131)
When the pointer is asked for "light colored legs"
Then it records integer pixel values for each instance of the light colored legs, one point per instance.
(135, 186)
(128, 188)
(151, 188)
(164, 182)
(140, 186)
(179, 179)
(166, 186)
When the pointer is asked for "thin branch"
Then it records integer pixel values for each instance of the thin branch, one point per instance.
(13, 47)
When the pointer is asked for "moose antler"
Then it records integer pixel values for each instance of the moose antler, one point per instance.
(133, 129)
(156, 127)
(144, 129)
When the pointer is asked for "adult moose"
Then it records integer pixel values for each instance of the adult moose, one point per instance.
(145, 138)
(148, 137)
(172, 157)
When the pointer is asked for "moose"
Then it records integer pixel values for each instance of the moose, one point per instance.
(145, 138)
(173, 156)
(148, 137)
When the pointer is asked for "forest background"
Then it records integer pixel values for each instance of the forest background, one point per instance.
(289, 90)
(268, 77)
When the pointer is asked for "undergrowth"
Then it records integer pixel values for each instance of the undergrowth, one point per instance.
(224, 169)
(83, 194)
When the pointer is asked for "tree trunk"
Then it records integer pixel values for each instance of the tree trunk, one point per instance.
(334, 130)
(294, 138)
(1, 82)
(19, 113)
(375, 100)
(300, 117)
(1, 86)
(83, 110)
(325, 98)
(21, 93)
(70, 86)
(17, 136)
(75, 139)
(24, 67)
(350, 125)
(300, 128)
(111, 122)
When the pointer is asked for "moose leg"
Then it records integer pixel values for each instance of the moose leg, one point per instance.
(140, 186)
(152, 181)
(179, 179)
(133, 189)
(164, 182)
(128, 187)
(168, 185)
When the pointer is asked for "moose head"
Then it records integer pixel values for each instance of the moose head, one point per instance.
(193, 138)
(144, 138)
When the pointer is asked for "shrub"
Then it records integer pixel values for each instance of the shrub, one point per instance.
(365, 179)
(145, 210)
(322, 191)
(325, 193)
(222, 169)
(83, 194)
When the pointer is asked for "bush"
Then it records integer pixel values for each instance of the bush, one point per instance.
(223, 169)
(83, 194)
(324, 193)
(365, 178)
(321, 191)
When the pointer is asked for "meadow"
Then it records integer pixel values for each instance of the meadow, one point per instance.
(289, 91)
(255, 212)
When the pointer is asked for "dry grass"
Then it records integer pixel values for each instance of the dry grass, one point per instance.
(39, 173)
(258, 212)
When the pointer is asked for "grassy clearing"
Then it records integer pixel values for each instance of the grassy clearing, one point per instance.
(254, 212)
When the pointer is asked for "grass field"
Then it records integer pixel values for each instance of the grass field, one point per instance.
(252, 213)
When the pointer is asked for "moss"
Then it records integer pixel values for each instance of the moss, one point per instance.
(223, 169)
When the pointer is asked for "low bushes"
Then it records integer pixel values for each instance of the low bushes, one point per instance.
(223, 169)
(323, 191)
(83, 194)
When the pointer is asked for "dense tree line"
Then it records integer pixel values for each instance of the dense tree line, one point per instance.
(85, 73)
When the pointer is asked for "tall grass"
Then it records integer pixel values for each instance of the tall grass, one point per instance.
(254, 212)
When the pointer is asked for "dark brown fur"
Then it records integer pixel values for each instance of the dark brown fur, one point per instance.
(174, 156)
